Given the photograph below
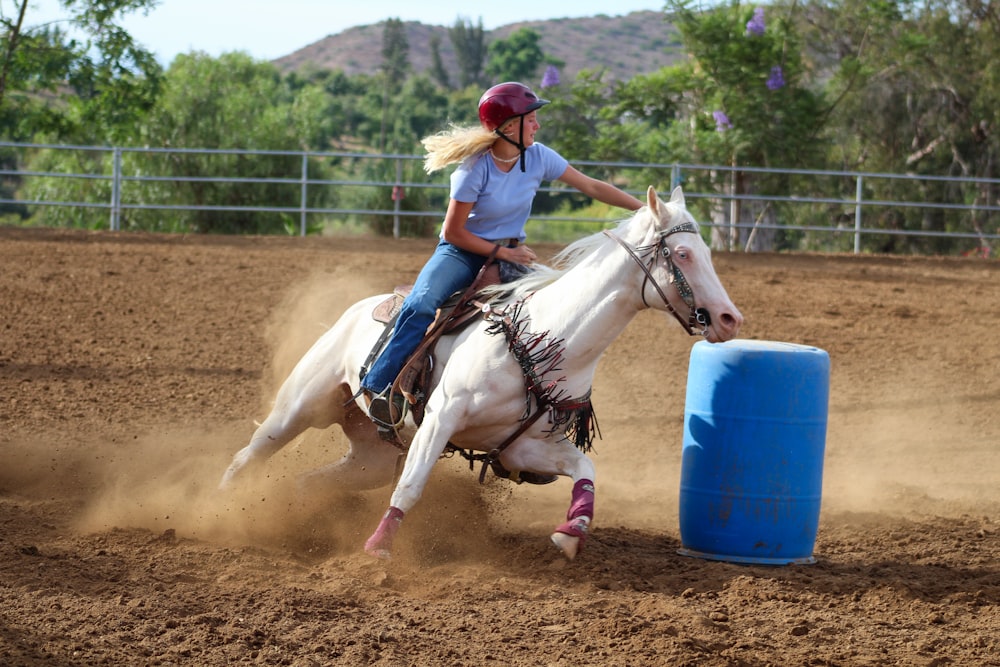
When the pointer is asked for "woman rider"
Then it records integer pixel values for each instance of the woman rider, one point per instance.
(501, 167)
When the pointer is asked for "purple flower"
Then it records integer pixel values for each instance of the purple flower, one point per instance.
(551, 77)
(777, 78)
(755, 26)
(721, 121)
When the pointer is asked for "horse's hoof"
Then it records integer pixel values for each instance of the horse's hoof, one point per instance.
(228, 481)
(376, 548)
(568, 544)
(381, 554)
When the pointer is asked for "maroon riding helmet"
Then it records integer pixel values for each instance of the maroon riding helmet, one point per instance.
(505, 101)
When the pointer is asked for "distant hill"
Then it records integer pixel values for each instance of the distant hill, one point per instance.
(623, 46)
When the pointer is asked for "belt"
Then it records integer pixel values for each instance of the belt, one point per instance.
(510, 243)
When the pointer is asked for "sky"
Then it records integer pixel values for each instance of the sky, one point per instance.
(273, 28)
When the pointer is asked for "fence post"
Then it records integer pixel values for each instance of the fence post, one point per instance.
(303, 199)
(116, 190)
(397, 199)
(857, 216)
(734, 211)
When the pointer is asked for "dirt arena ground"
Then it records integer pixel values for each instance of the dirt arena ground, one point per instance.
(133, 366)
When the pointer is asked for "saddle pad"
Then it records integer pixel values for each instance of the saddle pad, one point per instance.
(385, 311)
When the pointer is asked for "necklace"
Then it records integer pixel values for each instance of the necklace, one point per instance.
(504, 161)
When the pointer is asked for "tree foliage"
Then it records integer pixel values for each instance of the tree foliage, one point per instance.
(517, 58)
(94, 74)
(750, 79)
(469, 42)
(891, 86)
(920, 94)
(438, 71)
(395, 54)
(742, 98)
(231, 102)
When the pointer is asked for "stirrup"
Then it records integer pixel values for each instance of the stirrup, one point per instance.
(387, 410)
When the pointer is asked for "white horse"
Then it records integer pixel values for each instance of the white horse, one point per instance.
(533, 354)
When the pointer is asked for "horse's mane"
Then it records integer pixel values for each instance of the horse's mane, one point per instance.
(542, 275)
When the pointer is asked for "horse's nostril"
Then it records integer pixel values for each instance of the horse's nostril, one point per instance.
(728, 320)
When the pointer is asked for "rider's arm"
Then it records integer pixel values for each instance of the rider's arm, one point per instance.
(599, 190)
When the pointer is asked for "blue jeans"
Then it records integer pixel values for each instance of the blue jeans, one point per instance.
(449, 270)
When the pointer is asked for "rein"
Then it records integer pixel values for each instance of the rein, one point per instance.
(696, 316)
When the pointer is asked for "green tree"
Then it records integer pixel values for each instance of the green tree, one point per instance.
(517, 58)
(396, 123)
(231, 102)
(751, 70)
(741, 100)
(345, 113)
(469, 42)
(85, 88)
(438, 71)
(920, 91)
(395, 54)
(395, 65)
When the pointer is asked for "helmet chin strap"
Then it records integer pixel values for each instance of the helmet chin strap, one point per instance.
(519, 143)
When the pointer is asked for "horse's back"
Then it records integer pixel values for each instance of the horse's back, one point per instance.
(336, 357)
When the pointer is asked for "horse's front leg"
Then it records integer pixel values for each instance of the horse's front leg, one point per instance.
(560, 458)
(571, 534)
(427, 446)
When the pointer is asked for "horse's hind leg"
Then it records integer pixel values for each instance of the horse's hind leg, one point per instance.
(370, 462)
(274, 433)
(293, 413)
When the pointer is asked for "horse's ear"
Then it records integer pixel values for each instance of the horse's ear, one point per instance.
(677, 197)
(653, 201)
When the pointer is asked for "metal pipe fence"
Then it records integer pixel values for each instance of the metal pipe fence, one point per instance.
(299, 186)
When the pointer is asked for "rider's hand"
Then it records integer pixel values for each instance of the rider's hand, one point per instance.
(522, 254)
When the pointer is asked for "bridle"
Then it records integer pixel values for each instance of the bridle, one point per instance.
(696, 316)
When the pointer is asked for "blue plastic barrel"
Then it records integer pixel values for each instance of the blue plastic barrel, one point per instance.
(754, 437)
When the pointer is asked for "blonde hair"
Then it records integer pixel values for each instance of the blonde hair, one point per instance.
(454, 145)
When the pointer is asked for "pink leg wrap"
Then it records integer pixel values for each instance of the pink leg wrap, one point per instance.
(380, 543)
(583, 500)
(581, 511)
